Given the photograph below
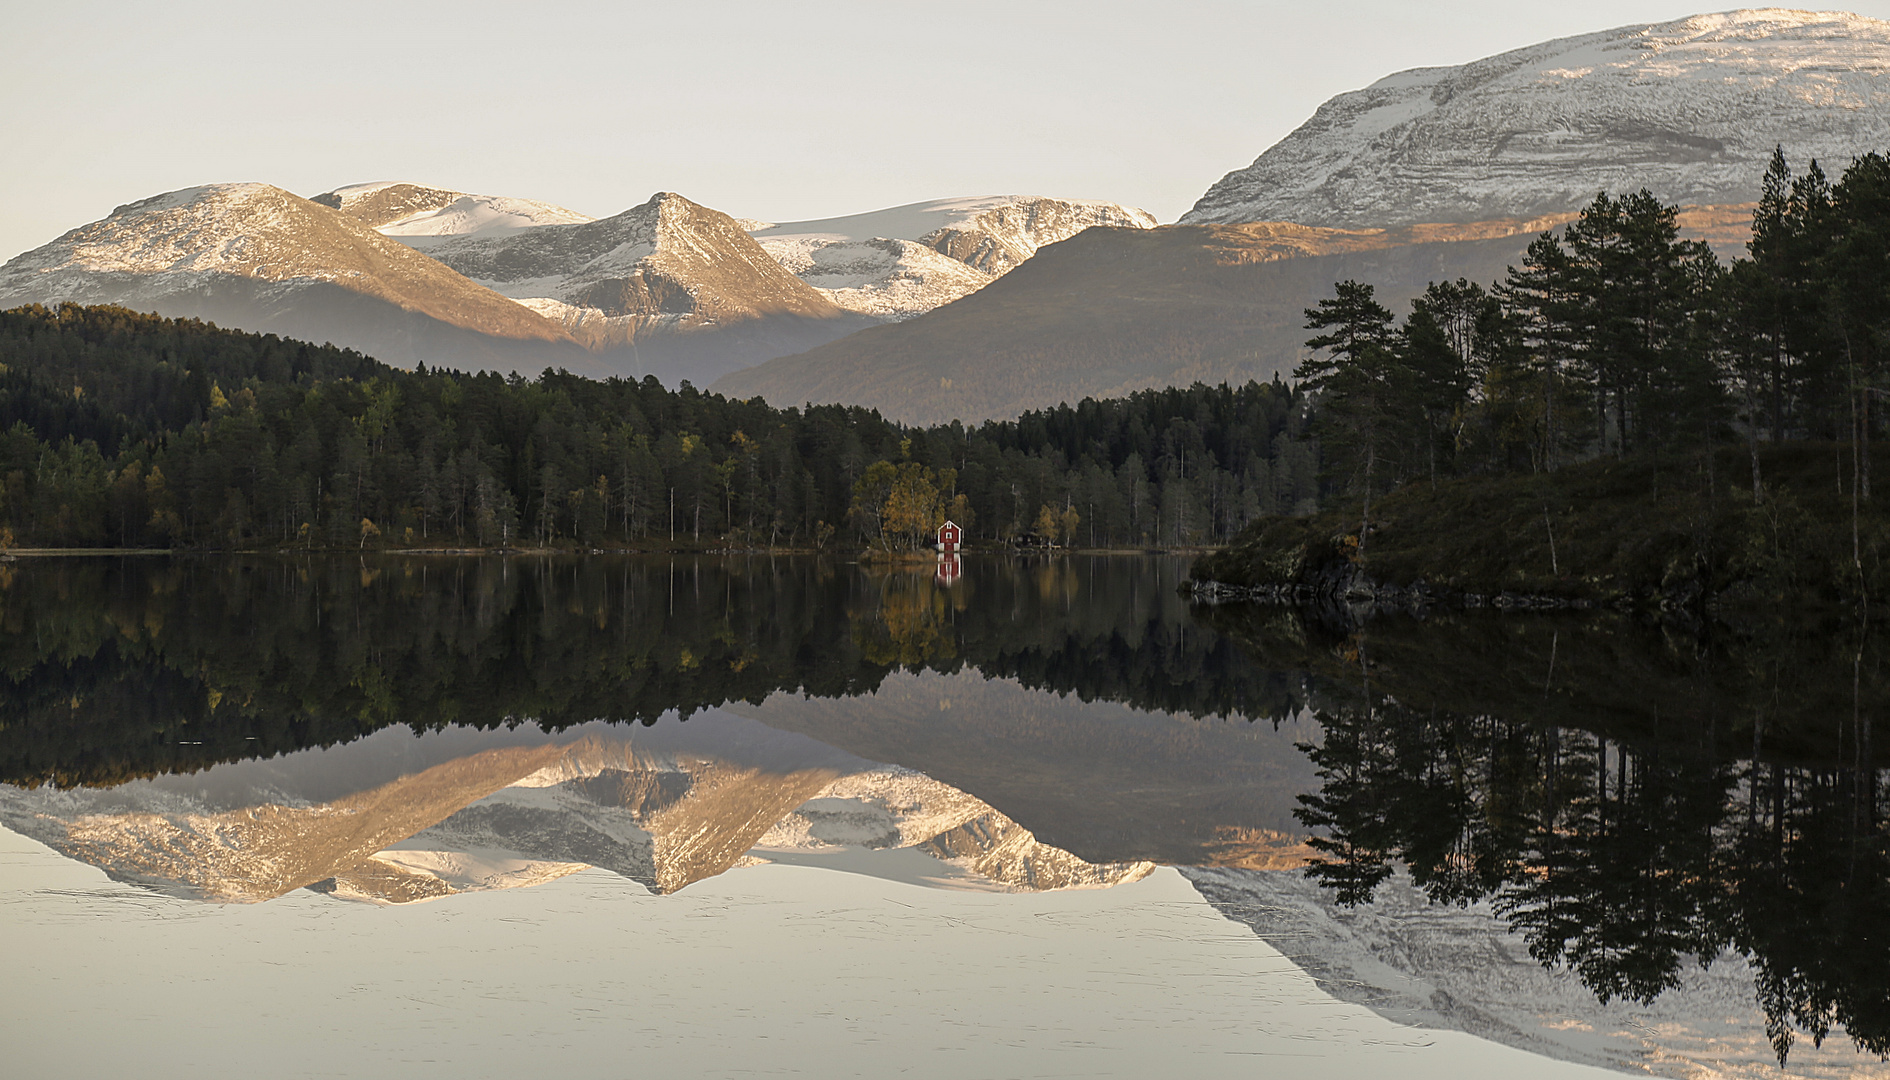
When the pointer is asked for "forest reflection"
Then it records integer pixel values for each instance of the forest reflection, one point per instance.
(118, 668)
(1630, 797)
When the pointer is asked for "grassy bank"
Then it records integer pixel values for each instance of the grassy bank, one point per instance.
(1603, 532)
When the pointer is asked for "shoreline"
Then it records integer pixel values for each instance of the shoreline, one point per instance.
(1636, 535)
(867, 556)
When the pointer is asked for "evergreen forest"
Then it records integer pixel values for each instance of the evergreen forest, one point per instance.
(119, 429)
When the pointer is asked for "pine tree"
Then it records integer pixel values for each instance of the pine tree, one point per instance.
(1362, 386)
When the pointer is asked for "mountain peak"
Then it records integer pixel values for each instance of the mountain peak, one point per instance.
(667, 265)
(1690, 109)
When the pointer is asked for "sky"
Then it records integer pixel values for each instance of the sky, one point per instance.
(774, 110)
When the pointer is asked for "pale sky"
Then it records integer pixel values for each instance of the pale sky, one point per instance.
(777, 110)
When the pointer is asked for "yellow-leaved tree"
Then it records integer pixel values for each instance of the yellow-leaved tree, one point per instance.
(902, 505)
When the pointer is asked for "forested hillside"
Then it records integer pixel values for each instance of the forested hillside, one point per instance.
(121, 429)
(1684, 427)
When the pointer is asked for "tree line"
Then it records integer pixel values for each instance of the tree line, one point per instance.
(1616, 337)
(119, 429)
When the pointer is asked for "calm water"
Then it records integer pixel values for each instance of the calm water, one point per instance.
(778, 816)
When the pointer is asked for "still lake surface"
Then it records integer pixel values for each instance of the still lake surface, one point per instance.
(1009, 818)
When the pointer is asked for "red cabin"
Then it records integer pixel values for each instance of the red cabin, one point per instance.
(948, 536)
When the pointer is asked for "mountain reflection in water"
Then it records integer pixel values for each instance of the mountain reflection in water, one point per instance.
(664, 806)
(1485, 804)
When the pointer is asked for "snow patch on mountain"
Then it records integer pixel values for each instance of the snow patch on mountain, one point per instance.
(423, 217)
(887, 279)
(1690, 109)
(470, 215)
(903, 261)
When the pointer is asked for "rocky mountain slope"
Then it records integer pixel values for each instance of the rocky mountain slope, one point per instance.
(259, 258)
(904, 261)
(1690, 109)
(1114, 310)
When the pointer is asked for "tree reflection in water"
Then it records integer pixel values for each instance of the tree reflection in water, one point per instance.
(118, 668)
(1724, 793)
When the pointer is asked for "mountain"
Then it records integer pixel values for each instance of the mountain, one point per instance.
(423, 216)
(901, 262)
(1690, 109)
(1113, 310)
(258, 258)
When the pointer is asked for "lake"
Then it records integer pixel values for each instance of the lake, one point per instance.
(752, 815)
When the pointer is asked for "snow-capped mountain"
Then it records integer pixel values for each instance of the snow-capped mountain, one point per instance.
(259, 258)
(423, 216)
(900, 262)
(1690, 109)
(669, 264)
(670, 287)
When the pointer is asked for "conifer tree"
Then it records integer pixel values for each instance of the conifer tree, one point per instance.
(1362, 386)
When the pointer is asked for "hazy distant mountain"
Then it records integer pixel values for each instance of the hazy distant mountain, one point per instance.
(258, 258)
(1111, 311)
(907, 260)
(1691, 109)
